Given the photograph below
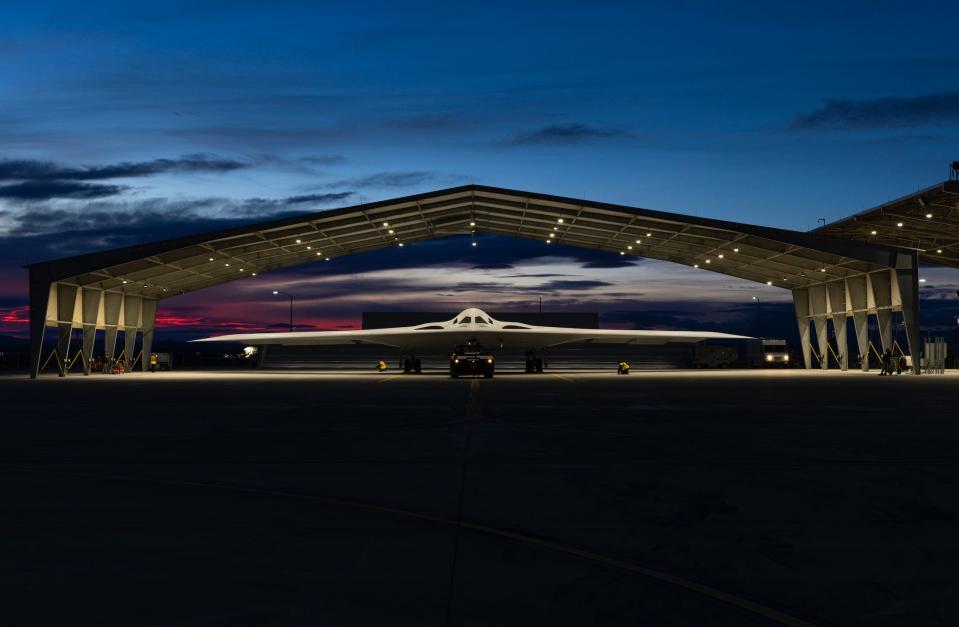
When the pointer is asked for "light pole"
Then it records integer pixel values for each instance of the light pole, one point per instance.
(759, 316)
(275, 292)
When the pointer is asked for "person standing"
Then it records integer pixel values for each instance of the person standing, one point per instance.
(886, 363)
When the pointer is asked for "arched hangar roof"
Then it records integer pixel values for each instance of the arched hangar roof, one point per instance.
(780, 257)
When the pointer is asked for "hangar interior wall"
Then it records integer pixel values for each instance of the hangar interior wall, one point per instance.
(68, 307)
(878, 294)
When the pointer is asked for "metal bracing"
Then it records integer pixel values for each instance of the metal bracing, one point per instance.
(153, 271)
(91, 302)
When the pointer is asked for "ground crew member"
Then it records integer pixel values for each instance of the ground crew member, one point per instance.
(886, 363)
(153, 362)
(622, 368)
(381, 366)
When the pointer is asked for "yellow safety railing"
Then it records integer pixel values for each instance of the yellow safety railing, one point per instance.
(815, 354)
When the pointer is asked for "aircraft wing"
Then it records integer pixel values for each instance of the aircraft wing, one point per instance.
(555, 336)
(437, 337)
(398, 337)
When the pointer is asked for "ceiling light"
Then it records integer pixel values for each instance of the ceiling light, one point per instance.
(899, 224)
(769, 282)
(695, 265)
(549, 241)
(401, 244)
(649, 235)
(709, 261)
(472, 224)
(929, 215)
(227, 265)
(552, 234)
(735, 250)
(211, 258)
(560, 220)
(473, 244)
(391, 231)
(629, 247)
(298, 242)
(309, 248)
(922, 280)
(639, 241)
(125, 282)
(939, 251)
(386, 224)
(822, 269)
(251, 274)
(242, 269)
(720, 256)
(319, 254)
(622, 252)
(275, 292)
(872, 232)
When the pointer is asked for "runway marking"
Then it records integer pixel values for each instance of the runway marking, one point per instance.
(388, 379)
(564, 378)
(679, 582)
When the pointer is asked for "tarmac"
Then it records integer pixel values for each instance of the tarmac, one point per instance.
(575, 498)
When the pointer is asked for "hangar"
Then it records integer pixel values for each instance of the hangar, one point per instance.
(866, 265)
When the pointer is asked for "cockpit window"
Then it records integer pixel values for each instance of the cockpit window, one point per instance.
(466, 319)
(480, 320)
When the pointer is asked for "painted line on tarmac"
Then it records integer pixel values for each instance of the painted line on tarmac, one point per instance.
(674, 580)
(564, 378)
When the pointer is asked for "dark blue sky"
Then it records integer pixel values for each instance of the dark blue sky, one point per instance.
(127, 121)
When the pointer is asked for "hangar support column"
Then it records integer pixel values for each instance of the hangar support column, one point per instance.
(39, 301)
(801, 303)
(111, 323)
(836, 291)
(818, 310)
(882, 296)
(66, 304)
(91, 301)
(858, 298)
(907, 276)
(131, 323)
(148, 317)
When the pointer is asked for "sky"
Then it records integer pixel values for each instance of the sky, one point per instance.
(126, 122)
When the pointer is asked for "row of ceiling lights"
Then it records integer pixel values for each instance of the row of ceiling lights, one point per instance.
(901, 224)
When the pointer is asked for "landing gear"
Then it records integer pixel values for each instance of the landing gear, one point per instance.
(412, 364)
(533, 363)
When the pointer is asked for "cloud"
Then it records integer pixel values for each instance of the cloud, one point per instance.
(324, 160)
(574, 133)
(892, 112)
(385, 180)
(46, 190)
(609, 263)
(572, 284)
(32, 170)
(317, 198)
